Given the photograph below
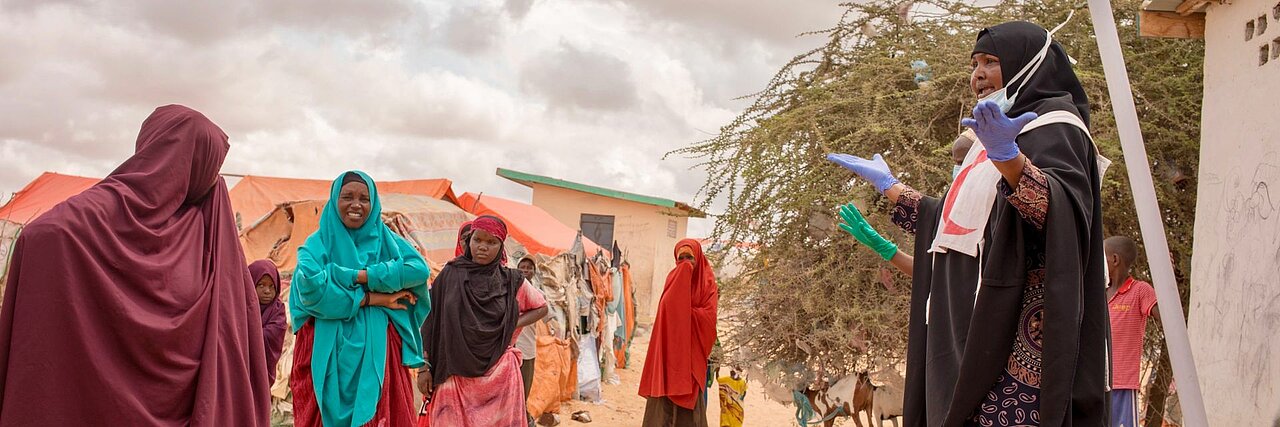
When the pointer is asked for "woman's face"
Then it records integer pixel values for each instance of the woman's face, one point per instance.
(986, 77)
(266, 290)
(353, 204)
(484, 247)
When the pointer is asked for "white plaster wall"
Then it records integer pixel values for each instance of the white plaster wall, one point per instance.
(1234, 322)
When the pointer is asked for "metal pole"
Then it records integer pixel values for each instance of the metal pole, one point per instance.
(1144, 196)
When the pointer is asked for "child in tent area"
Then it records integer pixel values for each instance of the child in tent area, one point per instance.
(266, 282)
(733, 390)
(527, 342)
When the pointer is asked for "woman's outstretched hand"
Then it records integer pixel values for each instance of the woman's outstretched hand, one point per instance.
(874, 170)
(996, 131)
(857, 226)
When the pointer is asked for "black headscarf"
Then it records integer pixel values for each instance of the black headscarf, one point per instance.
(474, 314)
(953, 361)
(1054, 86)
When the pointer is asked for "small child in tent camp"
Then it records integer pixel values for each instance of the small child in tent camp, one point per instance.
(266, 281)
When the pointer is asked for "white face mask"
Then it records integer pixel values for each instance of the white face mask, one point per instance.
(1001, 97)
(955, 171)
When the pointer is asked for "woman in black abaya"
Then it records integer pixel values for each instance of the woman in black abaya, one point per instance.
(1008, 322)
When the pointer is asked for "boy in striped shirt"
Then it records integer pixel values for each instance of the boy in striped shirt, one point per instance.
(1131, 302)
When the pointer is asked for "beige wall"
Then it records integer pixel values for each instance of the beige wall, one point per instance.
(640, 229)
(1235, 274)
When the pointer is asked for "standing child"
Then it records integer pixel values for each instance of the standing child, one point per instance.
(266, 281)
(733, 390)
(1131, 302)
(527, 342)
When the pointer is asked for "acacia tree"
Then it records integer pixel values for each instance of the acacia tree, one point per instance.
(812, 300)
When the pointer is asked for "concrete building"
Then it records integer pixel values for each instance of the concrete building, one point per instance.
(646, 228)
(1235, 265)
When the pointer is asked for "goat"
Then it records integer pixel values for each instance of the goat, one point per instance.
(851, 394)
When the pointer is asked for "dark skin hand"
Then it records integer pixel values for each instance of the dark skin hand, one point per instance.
(532, 316)
(395, 301)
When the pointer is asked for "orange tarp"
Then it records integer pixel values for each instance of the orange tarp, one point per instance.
(256, 196)
(533, 227)
(42, 194)
(555, 379)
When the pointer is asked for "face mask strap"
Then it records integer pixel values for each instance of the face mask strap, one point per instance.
(1039, 58)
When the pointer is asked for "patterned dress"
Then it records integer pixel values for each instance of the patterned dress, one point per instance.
(1014, 398)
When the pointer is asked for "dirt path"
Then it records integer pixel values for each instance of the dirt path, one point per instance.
(623, 408)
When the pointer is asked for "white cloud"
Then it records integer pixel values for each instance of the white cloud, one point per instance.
(587, 90)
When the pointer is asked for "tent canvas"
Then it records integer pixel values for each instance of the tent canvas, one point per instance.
(256, 196)
(37, 197)
(42, 194)
(533, 227)
(431, 225)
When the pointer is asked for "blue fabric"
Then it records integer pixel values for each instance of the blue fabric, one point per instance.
(349, 357)
(1124, 408)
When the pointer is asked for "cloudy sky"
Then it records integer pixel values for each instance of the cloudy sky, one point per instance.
(594, 91)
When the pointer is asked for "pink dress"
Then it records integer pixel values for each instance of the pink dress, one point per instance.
(497, 398)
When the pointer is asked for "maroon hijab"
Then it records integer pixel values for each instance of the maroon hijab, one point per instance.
(274, 321)
(130, 304)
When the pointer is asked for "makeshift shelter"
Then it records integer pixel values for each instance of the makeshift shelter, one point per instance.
(430, 224)
(532, 226)
(256, 196)
(40, 195)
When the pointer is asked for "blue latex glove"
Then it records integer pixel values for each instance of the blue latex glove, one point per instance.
(996, 131)
(875, 170)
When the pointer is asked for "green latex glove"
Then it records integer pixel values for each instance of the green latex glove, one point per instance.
(857, 226)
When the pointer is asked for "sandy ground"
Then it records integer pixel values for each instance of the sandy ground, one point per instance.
(623, 408)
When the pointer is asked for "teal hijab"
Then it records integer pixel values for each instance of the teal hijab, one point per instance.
(349, 355)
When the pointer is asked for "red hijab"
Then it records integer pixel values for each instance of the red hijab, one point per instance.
(683, 331)
(134, 294)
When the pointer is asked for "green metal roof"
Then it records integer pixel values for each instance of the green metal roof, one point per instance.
(528, 178)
